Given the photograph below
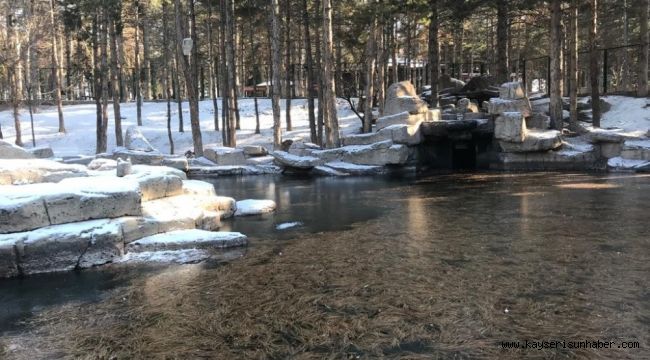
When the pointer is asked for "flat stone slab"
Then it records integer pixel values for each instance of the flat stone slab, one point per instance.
(138, 157)
(255, 150)
(28, 207)
(550, 160)
(354, 169)
(402, 118)
(596, 136)
(179, 162)
(254, 207)
(636, 150)
(536, 140)
(67, 246)
(197, 187)
(380, 154)
(398, 134)
(285, 159)
(188, 239)
(628, 165)
(225, 156)
(31, 171)
(235, 170)
(498, 106)
(187, 256)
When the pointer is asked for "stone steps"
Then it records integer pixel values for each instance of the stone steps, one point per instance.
(188, 239)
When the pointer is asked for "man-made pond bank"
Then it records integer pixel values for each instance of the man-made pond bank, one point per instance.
(445, 266)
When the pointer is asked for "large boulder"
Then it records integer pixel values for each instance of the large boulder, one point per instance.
(42, 152)
(512, 91)
(285, 159)
(402, 97)
(188, 239)
(536, 140)
(68, 246)
(255, 150)
(254, 207)
(156, 186)
(135, 140)
(510, 127)
(403, 118)
(538, 121)
(28, 207)
(498, 106)
(399, 134)
(381, 153)
(11, 151)
(29, 171)
(225, 155)
(300, 147)
(636, 149)
(176, 162)
(154, 158)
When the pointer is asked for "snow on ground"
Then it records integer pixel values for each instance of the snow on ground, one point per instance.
(80, 123)
(628, 113)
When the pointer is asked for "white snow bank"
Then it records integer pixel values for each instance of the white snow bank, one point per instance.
(627, 113)
(254, 207)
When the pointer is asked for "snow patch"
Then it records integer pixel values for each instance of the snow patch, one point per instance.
(254, 207)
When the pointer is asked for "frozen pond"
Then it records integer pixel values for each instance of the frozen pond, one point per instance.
(444, 267)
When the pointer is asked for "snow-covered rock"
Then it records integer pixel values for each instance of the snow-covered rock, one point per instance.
(42, 152)
(66, 247)
(29, 171)
(260, 160)
(225, 156)
(538, 121)
(367, 138)
(399, 134)
(123, 167)
(234, 170)
(402, 97)
(285, 159)
(198, 210)
(354, 169)
(201, 161)
(596, 136)
(11, 151)
(403, 118)
(621, 164)
(176, 162)
(102, 164)
(636, 150)
(510, 127)
(323, 170)
(135, 140)
(255, 150)
(498, 106)
(199, 188)
(381, 153)
(188, 239)
(187, 256)
(27, 207)
(300, 147)
(254, 207)
(536, 140)
(138, 157)
(156, 186)
(288, 225)
(512, 91)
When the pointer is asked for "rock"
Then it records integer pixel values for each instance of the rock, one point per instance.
(255, 150)
(404, 134)
(102, 164)
(11, 151)
(465, 105)
(69, 246)
(262, 160)
(8, 256)
(550, 160)
(188, 239)
(138, 157)
(402, 118)
(200, 188)
(326, 171)
(610, 149)
(254, 207)
(135, 140)
(538, 121)
(158, 170)
(498, 106)
(217, 171)
(293, 161)
(123, 167)
(302, 148)
(512, 91)
(355, 170)
(137, 227)
(29, 171)
(42, 152)
(369, 138)
(627, 165)
(225, 155)
(536, 140)
(176, 162)
(201, 161)
(601, 135)
(636, 150)
(402, 97)
(78, 160)
(21, 213)
(510, 127)
(381, 153)
(188, 256)
(156, 186)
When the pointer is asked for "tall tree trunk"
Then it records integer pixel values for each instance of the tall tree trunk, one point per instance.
(555, 105)
(15, 74)
(593, 62)
(502, 41)
(225, 96)
(211, 68)
(642, 89)
(138, 70)
(176, 83)
(319, 63)
(371, 52)
(276, 65)
(146, 52)
(288, 85)
(120, 47)
(115, 71)
(330, 118)
(56, 72)
(97, 82)
(573, 66)
(434, 51)
(310, 74)
(166, 76)
(190, 71)
(394, 51)
(382, 66)
(232, 69)
(104, 76)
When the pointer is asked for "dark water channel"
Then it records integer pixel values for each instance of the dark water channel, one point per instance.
(437, 267)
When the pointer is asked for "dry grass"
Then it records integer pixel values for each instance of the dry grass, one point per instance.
(362, 293)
